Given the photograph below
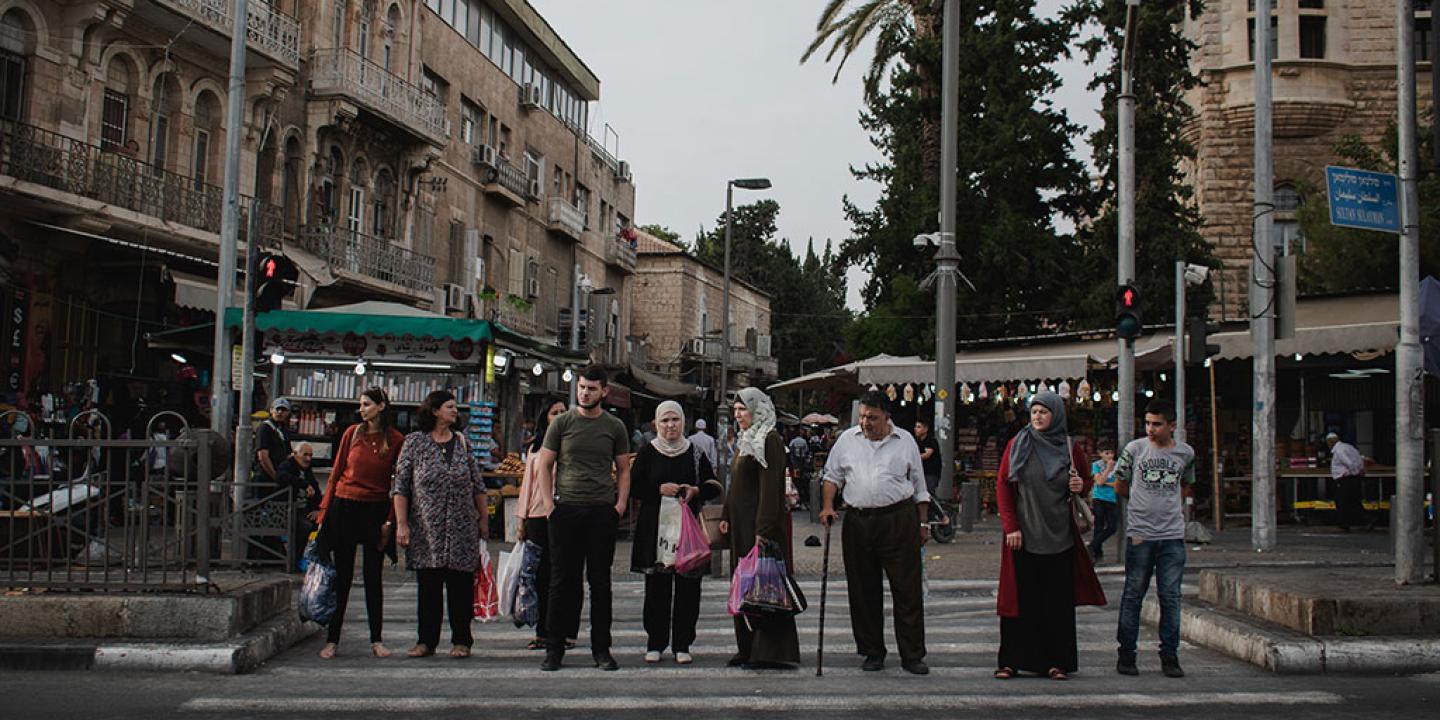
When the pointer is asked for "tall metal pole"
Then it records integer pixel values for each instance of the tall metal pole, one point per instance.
(947, 258)
(220, 408)
(1409, 375)
(1180, 350)
(243, 436)
(1125, 256)
(574, 326)
(722, 416)
(1262, 299)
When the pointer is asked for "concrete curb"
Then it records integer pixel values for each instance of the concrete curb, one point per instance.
(241, 655)
(1285, 652)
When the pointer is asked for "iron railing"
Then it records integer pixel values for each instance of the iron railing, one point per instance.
(368, 256)
(598, 150)
(338, 71)
(266, 29)
(509, 177)
(566, 217)
(47, 158)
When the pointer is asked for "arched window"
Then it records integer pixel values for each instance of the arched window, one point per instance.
(115, 103)
(1287, 198)
(15, 33)
(165, 106)
(207, 112)
(383, 204)
(290, 187)
(355, 217)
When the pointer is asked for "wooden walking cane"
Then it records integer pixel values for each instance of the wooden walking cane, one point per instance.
(824, 585)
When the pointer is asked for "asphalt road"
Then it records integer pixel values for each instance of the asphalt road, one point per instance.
(503, 679)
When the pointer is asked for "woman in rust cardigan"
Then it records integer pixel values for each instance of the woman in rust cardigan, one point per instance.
(1044, 571)
(357, 511)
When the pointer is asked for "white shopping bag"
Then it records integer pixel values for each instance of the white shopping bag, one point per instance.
(667, 533)
(507, 578)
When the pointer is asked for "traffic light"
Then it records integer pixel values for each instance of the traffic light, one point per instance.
(1127, 312)
(564, 333)
(275, 282)
(1197, 330)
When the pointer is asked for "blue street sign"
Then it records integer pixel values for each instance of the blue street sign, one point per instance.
(1363, 199)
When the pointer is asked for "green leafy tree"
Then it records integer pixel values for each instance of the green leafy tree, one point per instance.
(666, 234)
(1166, 220)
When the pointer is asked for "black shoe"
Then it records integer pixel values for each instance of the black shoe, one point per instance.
(1170, 665)
(553, 658)
(737, 660)
(873, 663)
(605, 661)
(1126, 664)
(915, 667)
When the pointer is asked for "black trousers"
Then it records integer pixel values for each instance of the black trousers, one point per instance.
(356, 524)
(1043, 636)
(537, 530)
(459, 588)
(1107, 516)
(1350, 501)
(582, 543)
(885, 541)
(670, 625)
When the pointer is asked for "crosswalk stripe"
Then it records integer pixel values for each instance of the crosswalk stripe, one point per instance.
(741, 703)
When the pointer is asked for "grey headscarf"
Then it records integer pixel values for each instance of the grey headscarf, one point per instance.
(762, 421)
(1047, 448)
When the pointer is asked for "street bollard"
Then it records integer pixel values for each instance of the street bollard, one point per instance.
(969, 506)
(1434, 508)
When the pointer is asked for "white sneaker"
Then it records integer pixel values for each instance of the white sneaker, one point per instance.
(652, 657)
(683, 658)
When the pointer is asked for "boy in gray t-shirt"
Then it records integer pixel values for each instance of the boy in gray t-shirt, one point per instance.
(1156, 469)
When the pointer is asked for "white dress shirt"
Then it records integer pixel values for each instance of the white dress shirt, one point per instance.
(1345, 461)
(875, 474)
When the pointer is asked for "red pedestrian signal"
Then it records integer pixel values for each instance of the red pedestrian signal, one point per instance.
(275, 281)
(1127, 312)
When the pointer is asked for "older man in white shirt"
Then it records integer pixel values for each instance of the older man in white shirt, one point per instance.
(704, 442)
(1347, 467)
(877, 469)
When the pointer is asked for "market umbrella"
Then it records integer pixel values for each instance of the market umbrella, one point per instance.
(819, 419)
(1430, 324)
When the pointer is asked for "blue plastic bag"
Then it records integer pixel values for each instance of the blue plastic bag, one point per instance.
(317, 592)
(525, 609)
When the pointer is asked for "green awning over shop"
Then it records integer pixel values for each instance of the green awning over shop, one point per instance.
(416, 323)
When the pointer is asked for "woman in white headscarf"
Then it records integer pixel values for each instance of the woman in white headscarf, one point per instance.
(668, 466)
(755, 510)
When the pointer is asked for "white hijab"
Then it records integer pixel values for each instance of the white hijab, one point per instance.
(751, 441)
(666, 447)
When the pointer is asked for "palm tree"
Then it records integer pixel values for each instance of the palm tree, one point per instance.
(894, 23)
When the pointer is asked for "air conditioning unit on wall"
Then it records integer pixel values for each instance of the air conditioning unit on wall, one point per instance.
(456, 299)
(534, 190)
(530, 97)
(484, 155)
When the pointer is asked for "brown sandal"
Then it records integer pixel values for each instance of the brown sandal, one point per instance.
(1004, 673)
(420, 650)
(460, 651)
(1058, 674)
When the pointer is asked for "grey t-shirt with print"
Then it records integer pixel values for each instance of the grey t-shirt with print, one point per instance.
(1156, 510)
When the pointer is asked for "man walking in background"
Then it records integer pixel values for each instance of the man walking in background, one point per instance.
(704, 442)
(1347, 467)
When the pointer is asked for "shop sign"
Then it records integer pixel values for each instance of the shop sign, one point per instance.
(1363, 199)
(303, 344)
(17, 320)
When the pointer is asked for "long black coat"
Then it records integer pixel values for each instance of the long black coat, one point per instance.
(756, 506)
(650, 471)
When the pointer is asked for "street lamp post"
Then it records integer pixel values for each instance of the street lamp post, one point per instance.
(723, 417)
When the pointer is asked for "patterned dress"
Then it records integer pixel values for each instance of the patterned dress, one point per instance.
(444, 522)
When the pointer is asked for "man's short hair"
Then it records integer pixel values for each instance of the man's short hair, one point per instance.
(596, 373)
(1105, 445)
(875, 399)
(1163, 408)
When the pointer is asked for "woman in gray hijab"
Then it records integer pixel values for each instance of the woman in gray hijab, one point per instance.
(1043, 572)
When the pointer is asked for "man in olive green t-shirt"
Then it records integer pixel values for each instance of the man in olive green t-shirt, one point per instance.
(583, 445)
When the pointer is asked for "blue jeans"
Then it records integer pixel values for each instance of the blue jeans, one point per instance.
(1165, 560)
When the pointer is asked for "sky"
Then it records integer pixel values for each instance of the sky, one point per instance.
(699, 92)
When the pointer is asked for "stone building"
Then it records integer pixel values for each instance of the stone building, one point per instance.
(1334, 76)
(680, 320)
(432, 153)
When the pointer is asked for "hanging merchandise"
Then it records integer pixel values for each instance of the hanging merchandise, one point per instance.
(984, 391)
(1084, 390)
(909, 394)
(890, 393)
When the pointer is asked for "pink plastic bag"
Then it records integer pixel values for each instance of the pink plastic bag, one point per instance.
(693, 553)
(487, 595)
(741, 581)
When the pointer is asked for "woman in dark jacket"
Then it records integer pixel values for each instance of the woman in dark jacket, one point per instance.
(755, 510)
(668, 466)
(1044, 571)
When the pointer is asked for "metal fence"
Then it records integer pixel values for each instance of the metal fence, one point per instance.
(93, 513)
(370, 256)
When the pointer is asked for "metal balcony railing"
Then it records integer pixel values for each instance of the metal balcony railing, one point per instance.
(338, 71)
(50, 159)
(361, 254)
(511, 178)
(598, 150)
(266, 29)
(569, 218)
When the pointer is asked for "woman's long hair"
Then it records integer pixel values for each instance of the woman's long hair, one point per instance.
(387, 423)
(542, 424)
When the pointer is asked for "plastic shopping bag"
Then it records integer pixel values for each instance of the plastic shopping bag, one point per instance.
(317, 593)
(741, 580)
(487, 595)
(667, 532)
(526, 607)
(772, 590)
(508, 577)
(693, 553)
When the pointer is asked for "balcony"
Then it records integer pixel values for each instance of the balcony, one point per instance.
(621, 254)
(343, 73)
(566, 219)
(46, 158)
(364, 256)
(507, 182)
(268, 31)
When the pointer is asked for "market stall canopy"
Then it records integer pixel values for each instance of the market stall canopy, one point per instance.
(839, 378)
(1325, 326)
(370, 318)
(1057, 360)
(820, 419)
(550, 352)
(663, 387)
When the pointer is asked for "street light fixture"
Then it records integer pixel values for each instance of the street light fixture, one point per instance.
(723, 417)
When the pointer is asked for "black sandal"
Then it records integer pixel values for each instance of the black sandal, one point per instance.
(1004, 673)
(536, 644)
